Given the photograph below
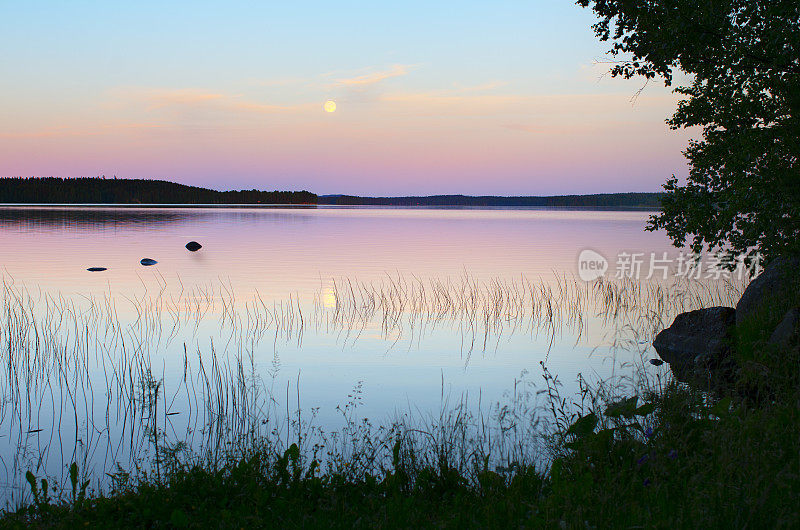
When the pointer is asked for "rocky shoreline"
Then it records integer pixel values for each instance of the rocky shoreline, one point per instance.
(700, 345)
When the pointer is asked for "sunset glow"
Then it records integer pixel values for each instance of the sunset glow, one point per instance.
(521, 106)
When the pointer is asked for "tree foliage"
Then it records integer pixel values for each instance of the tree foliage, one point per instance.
(743, 61)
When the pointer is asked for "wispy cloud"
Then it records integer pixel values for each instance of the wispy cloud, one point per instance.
(84, 130)
(457, 102)
(280, 82)
(551, 128)
(492, 85)
(397, 70)
(251, 106)
(195, 101)
(166, 98)
(564, 106)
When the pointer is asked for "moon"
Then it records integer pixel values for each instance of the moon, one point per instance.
(330, 106)
(328, 298)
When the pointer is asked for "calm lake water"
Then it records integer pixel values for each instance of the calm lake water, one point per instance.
(290, 250)
(397, 309)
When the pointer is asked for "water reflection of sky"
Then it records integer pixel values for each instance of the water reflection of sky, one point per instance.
(267, 256)
(291, 250)
(285, 262)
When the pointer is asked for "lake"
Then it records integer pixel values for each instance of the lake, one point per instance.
(287, 315)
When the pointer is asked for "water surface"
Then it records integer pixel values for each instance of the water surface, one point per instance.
(409, 307)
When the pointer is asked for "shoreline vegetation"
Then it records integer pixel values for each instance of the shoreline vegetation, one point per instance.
(661, 455)
(145, 192)
(638, 450)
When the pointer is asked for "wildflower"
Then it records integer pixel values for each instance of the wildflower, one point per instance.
(672, 454)
(648, 432)
(646, 482)
(643, 459)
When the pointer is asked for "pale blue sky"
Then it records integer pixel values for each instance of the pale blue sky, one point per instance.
(431, 97)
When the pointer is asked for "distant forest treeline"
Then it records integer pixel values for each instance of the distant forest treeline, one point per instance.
(142, 191)
(602, 200)
(134, 191)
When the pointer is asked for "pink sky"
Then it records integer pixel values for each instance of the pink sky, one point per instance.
(507, 103)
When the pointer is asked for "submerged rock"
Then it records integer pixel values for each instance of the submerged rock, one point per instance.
(779, 278)
(96, 269)
(193, 246)
(148, 261)
(698, 343)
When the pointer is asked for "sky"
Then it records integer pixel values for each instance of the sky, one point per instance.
(498, 98)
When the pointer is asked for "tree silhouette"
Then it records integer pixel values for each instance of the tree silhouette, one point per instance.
(743, 59)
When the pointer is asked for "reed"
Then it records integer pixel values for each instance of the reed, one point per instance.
(171, 376)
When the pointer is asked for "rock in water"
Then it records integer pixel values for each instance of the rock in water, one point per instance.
(779, 278)
(193, 246)
(148, 261)
(96, 269)
(697, 343)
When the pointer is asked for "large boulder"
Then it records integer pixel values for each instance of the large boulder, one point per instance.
(787, 332)
(698, 343)
(778, 279)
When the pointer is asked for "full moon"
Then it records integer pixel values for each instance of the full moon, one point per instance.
(330, 106)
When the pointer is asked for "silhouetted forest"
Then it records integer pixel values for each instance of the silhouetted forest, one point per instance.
(140, 191)
(134, 191)
(602, 200)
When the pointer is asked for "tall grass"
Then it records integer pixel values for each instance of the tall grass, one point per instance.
(135, 386)
(483, 311)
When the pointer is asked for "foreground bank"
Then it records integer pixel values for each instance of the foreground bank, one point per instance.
(696, 464)
(721, 450)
